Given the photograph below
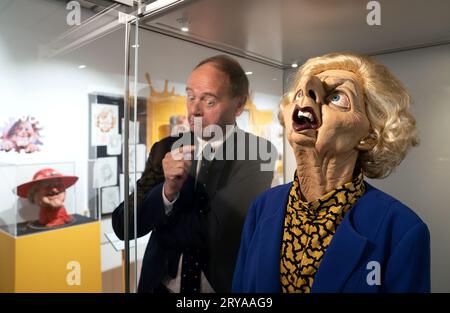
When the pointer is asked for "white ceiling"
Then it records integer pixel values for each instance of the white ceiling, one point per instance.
(275, 32)
(278, 32)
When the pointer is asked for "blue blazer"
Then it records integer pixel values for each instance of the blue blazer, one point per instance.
(377, 228)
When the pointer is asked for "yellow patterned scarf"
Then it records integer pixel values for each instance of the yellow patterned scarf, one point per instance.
(308, 230)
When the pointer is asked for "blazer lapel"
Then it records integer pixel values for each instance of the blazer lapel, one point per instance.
(212, 182)
(340, 259)
(220, 168)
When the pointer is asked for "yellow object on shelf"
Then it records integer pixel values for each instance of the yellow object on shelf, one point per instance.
(60, 260)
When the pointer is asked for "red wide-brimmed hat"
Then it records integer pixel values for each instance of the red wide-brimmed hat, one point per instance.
(42, 175)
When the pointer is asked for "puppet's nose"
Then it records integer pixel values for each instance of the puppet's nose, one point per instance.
(310, 98)
(313, 89)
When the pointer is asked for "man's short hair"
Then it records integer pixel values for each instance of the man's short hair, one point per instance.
(231, 67)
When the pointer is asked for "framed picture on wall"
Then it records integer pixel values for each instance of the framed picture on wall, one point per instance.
(106, 147)
(114, 146)
(110, 199)
(105, 172)
(104, 123)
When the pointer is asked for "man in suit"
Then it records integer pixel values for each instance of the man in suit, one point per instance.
(197, 187)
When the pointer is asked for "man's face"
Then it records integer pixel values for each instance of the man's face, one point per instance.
(327, 112)
(50, 194)
(208, 98)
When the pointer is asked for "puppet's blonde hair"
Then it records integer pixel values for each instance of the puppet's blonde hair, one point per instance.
(387, 107)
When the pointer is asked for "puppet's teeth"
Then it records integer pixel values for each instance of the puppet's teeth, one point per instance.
(308, 115)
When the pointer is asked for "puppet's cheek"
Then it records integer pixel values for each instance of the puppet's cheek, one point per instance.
(54, 201)
(287, 117)
(341, 135)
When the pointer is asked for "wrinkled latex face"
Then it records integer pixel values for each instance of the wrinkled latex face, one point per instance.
(327, 112)
(50, 194)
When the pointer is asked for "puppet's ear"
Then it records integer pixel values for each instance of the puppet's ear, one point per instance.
(367, 143)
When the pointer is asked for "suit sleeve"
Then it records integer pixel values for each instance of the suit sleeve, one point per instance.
(147, 217)
(182, 227)
(408, 268)
(239, 284)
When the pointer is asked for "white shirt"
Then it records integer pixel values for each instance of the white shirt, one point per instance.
(173, 284)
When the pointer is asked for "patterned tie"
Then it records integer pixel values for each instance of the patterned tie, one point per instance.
(190, 271)
(191, 267)
(203, 172)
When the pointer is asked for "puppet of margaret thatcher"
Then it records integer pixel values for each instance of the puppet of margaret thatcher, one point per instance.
(346, 118)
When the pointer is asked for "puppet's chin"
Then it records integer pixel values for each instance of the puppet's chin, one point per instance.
(305, 138)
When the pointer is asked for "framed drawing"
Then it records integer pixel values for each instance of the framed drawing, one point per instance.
(105, 172)
(110, 199)
(106, 151)
(114, 146)
(104, 123)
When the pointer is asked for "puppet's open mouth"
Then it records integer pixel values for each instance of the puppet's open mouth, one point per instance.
(53, 193)
(304, 118)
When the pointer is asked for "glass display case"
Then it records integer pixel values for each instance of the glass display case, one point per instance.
(86, 91)
(60, 149)
(53, 185)
(48, 238)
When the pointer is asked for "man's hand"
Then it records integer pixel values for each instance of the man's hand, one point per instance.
(176, 165)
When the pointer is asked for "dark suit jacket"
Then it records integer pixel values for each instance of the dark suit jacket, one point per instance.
(212, 221)
(377, 228)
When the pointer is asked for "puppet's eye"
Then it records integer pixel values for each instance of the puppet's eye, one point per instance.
(339, 99)
(298, 95)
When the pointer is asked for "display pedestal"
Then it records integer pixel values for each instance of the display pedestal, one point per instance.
(59, 260)
(119, 246)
